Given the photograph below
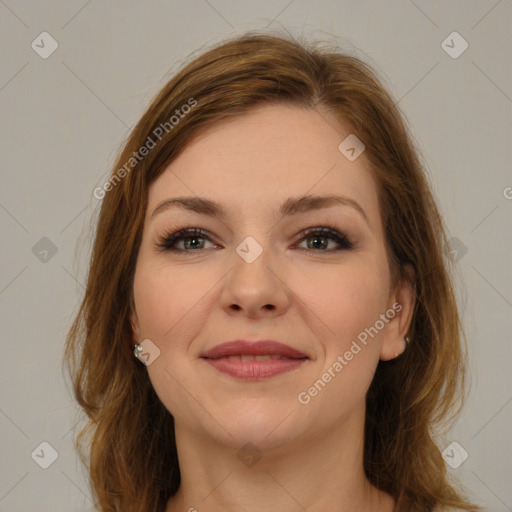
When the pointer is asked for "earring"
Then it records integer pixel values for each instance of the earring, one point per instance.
(137, 350)
(407, 340)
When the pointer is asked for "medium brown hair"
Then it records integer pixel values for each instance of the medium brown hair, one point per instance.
(133, 464)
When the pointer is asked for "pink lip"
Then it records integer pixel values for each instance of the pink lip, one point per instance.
(226, 359)
(252, 348)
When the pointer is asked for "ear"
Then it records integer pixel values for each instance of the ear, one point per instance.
(401, 301)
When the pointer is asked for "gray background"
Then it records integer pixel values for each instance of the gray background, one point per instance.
(64, 119)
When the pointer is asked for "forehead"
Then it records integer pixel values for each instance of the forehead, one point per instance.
(256, 161)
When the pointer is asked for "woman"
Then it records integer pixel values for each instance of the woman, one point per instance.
(269, 244)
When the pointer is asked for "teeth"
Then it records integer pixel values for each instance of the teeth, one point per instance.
(262, 358)
(266, 357)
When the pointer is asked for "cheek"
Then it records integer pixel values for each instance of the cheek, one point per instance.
(169, 306)
(350, 302)
(164, 296)
(349, 299)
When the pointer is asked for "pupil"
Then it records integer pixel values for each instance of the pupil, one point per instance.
(316, 239)
(189, 241)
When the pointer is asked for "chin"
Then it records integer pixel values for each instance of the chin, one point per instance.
(260, 423)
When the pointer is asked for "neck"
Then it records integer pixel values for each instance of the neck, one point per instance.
(315, 474)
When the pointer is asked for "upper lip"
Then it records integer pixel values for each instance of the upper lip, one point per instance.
(254, 348)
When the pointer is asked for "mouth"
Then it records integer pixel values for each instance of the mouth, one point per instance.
(255, 360)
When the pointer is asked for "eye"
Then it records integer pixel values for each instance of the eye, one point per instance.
(191, 240)
(191, 237)
(320, 238)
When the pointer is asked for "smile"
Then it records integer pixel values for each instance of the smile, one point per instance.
(254, 360)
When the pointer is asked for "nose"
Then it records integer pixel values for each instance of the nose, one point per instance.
(255, 289)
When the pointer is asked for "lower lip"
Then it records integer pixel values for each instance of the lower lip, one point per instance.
(255, 370)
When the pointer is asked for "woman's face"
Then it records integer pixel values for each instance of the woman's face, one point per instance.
(254, 275)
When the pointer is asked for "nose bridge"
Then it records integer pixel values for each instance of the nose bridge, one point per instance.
(251, 250)
(255, 231)
(253, 284)
(252, 260)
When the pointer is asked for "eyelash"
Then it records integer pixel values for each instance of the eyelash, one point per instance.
(169, 239)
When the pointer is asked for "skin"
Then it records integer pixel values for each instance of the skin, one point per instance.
(317, 302)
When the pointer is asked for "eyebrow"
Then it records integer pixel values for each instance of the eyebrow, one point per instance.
(292, 206)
